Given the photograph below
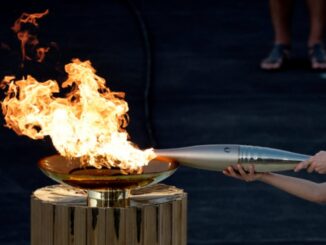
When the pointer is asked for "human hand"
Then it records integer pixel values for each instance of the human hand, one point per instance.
(239, 172)
(315, 163)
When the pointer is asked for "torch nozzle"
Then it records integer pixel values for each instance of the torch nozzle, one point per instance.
(219, 157)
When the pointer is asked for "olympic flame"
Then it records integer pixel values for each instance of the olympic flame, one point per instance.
(88, 122)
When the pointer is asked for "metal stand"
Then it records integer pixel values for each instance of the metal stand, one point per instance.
(110, 198)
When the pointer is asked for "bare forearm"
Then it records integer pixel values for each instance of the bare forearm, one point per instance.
(305, 189)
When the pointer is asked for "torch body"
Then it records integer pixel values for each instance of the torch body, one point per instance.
(219, 157)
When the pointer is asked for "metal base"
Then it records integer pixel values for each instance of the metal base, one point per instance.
(108, 198)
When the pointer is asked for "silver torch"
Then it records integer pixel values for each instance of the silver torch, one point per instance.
(219, 157)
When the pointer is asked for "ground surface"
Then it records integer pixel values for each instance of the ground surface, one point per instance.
(207, 88)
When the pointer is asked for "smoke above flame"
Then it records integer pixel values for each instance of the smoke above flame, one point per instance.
(27, 38)
(88, 123)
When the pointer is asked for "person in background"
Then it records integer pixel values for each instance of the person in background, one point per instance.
(305, 189)
(281, 14)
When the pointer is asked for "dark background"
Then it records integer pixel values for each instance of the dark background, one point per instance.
(206, 87)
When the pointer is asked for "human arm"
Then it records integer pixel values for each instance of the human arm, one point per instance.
(304, 189)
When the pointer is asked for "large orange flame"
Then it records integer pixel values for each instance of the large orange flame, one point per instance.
(26, 37)
(88, 123)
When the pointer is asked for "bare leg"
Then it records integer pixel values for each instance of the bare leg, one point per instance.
(317, 52)
(281, 14)
(317, 13)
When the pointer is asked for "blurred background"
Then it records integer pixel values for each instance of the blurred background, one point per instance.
(190, 70)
